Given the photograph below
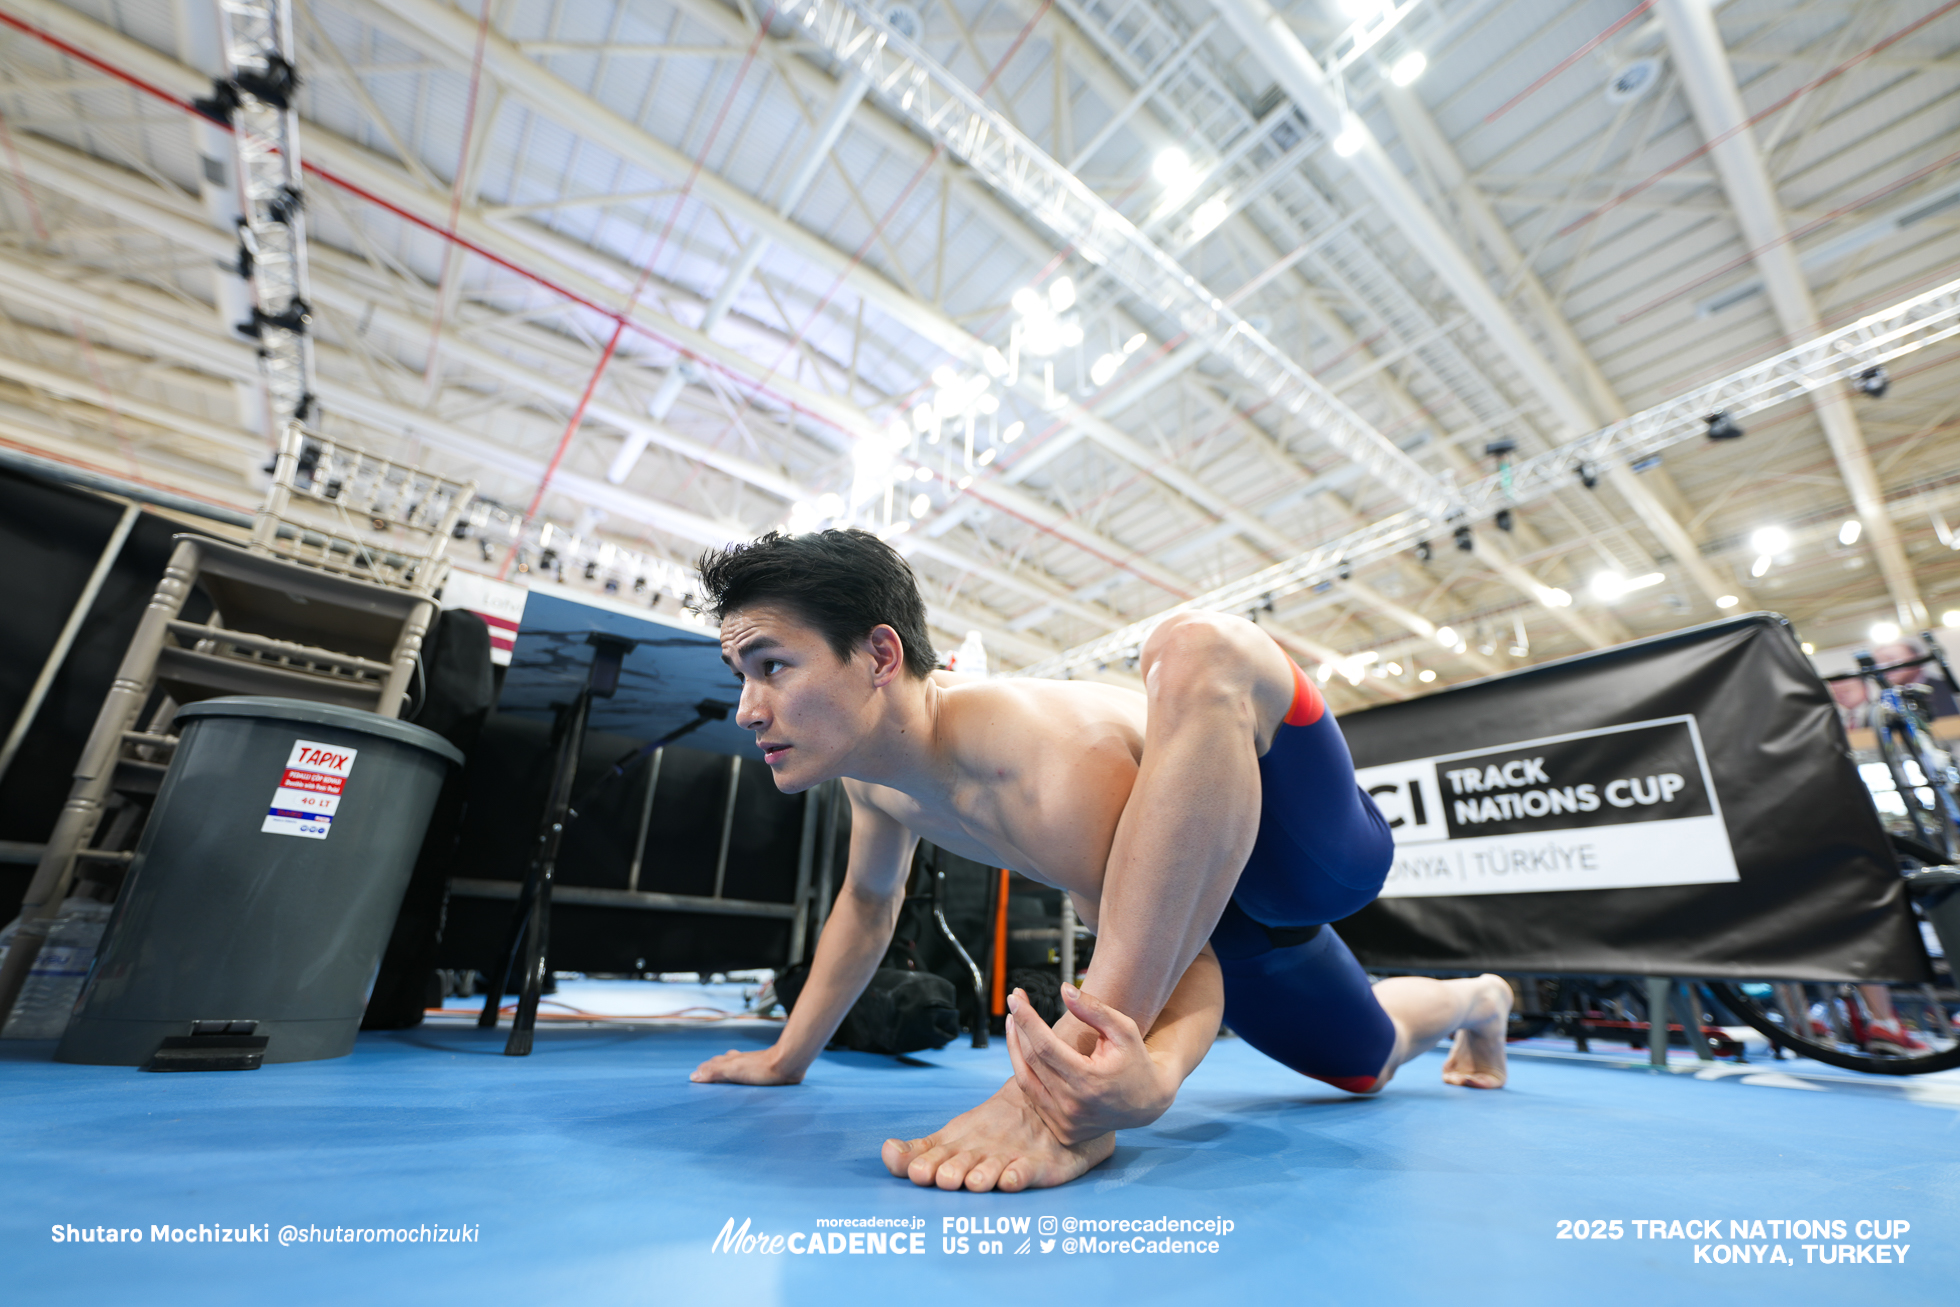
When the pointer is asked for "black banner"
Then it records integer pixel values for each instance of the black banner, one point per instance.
(1685, 805)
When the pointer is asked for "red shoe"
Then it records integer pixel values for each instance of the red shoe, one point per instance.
(1891, 1040)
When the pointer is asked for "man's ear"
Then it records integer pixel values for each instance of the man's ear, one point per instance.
(887, 655)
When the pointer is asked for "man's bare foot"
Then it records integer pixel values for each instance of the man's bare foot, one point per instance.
(1477, 1059)
(1001, 1144)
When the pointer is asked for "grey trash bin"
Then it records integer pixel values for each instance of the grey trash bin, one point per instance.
(263, 890)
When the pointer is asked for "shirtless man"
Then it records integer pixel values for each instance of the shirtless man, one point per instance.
(1206, 829)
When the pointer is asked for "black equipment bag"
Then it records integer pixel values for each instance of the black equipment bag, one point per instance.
(899, 1011)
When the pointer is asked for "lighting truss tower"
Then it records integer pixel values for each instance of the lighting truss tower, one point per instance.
(256, 100)
(1836, 356)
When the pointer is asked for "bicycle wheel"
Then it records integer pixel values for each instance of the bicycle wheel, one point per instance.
(1792, 1032)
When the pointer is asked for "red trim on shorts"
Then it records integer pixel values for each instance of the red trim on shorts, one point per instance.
(1352, 1084)
(1307, 706)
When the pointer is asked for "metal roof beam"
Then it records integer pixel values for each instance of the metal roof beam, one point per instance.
(1272, 42)
(1709, 84)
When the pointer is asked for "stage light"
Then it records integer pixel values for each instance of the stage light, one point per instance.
(1873, 381)
(1350, 140)
(1588, 475)
(1423, 552)
(921, 504)
(1104, 368)
(1849, 532)
(1447, 637)
(1464, 540)
(1723, 427)
(923, 474)
(1410, 66)
(1504, 520)
(1013, 432)
(1884, 632)
(986, 457)
(995, 362)
(1061, 295)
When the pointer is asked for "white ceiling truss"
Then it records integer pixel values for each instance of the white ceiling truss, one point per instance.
(1351, 304)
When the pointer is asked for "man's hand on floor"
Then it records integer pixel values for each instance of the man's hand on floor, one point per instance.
(1117, 1085)
(737, 1068)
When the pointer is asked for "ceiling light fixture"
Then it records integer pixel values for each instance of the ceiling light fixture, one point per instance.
(1409, 67)
(1727, 601)
(1884, 632)
(1350, 140)
(1207, 216)
(1425, 676)
(1610, 587)
(1174, 171)
(1769, 540)
(1848, 533)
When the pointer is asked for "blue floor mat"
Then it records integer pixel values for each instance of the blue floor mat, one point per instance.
(594, 1172)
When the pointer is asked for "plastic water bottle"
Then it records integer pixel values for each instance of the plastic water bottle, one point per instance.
(47, 999)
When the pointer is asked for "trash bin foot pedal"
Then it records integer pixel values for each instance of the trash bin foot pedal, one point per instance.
(212, 1046)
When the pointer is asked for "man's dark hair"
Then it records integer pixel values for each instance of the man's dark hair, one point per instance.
(842, 582)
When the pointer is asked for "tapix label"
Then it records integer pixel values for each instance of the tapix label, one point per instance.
(308, 794)
(1615, 808)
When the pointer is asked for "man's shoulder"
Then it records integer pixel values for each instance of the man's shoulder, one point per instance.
(983, 720)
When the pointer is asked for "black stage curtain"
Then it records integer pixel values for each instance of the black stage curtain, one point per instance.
(1726, 719)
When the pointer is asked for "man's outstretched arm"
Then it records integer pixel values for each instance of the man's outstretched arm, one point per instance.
(854, 940)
